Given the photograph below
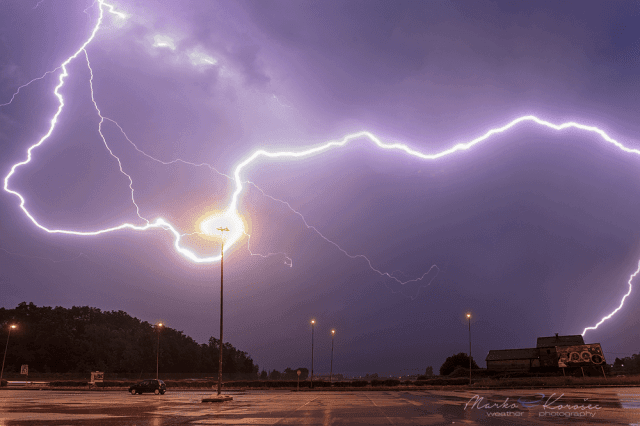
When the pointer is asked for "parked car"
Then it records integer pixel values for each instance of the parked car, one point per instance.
(151, 385)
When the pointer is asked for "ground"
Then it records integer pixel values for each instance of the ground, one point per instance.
(610, 406)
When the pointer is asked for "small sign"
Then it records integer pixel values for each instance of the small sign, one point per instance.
(97, 376)
(24, 369)
(299, 372)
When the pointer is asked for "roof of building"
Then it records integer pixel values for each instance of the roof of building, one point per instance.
(547, 342)
(512, 354)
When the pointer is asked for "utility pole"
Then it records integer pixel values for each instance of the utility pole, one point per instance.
(313, 323)
(333, 332)
(469, 318)
(158, 327)
(11, 327)
(222, 230)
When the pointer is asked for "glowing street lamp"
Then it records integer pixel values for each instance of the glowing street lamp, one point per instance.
(222, 230)
(158, 328)
(333, 333)
(313, 323)
(469, 318)
(11, 327)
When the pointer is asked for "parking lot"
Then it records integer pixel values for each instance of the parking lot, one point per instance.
(614, 406)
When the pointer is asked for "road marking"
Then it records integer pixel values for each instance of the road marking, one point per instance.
(379, 409)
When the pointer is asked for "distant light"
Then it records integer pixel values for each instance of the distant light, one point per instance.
(313, 321)
(333, 332)
(468, 315)
(13, 326)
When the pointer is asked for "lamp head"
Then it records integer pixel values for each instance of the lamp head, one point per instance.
(333, 332)
(313, 322)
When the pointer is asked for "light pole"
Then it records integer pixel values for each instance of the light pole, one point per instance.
(313, 323)
(469, 318)
(333, 332)
(158, 328)
(11, 327)
(222, 230)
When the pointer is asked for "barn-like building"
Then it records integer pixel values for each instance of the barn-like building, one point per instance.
(551, 353)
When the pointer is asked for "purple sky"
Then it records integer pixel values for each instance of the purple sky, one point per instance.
(533, 231)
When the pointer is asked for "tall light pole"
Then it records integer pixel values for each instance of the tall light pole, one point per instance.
(158, 328)
(333, 333)
(313, 323)
(469, 318)
(11, 327)
(222, 230)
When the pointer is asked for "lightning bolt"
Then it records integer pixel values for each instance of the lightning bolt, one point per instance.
(27, 84)
(619, 306)
(231, 213)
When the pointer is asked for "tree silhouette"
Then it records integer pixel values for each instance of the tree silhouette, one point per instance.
(458, 360)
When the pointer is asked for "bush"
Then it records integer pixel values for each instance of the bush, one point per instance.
(3, 383)
(458, 360)
(459, 372)
(441, 381)
(192, 383)
(114, 384)
(359, 383)
(69, 383)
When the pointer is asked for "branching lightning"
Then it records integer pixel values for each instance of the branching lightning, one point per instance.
(27, 84)
(230, 216)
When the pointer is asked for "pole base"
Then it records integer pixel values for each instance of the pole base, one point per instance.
(217, 398)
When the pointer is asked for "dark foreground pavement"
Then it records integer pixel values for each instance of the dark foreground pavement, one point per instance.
(613, 406)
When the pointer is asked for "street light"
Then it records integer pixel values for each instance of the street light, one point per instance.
(313, 323)
(222, 230)
(333, 332)
(158, 328)
(11, 327)
(469, 318)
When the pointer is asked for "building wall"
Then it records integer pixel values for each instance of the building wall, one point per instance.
(513, 364)
(548, 357)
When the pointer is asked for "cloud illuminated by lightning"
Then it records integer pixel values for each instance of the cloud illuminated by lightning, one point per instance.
(230, 216)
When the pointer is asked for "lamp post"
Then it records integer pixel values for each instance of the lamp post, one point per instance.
(222, 230)
(158, 328)
(469, 318)
(313, 323)
(11, 327)
(333, 332)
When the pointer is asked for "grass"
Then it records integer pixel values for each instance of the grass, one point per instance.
(555, 381)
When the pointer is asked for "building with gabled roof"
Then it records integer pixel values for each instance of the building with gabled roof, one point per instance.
(550, 354)
(513, 359)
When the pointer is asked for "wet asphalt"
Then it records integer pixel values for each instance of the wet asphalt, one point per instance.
(610, 406)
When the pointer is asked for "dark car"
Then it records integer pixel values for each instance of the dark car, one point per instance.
(151, 385)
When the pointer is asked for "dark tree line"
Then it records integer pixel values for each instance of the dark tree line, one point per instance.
(287, 374)
(83, 339)
(627, 365)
